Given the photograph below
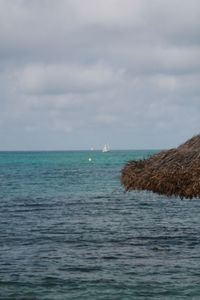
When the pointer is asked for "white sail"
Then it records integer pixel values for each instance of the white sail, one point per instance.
(105, 148)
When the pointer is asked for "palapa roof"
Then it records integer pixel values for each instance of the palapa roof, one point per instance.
(172, 172)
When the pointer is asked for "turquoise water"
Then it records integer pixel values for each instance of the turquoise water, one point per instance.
(68, 231)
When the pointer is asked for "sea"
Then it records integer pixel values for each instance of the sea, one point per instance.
(69, 231)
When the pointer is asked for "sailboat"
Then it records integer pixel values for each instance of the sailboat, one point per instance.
(105, 148)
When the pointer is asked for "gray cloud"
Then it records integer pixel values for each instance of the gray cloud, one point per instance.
(74, 74)
(63, 79)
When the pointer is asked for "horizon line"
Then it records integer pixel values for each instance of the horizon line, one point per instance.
(67, 150)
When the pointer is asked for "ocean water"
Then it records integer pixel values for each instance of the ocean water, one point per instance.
(68, 231)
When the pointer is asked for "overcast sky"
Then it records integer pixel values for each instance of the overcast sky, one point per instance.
(76, 74)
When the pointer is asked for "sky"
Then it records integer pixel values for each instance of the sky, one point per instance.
(76, 74)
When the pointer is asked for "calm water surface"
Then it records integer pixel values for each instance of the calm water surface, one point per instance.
(68, 231)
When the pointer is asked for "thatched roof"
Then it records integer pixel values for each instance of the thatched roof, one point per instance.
(173, 172)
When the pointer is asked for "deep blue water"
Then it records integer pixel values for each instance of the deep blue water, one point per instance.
(68, 231)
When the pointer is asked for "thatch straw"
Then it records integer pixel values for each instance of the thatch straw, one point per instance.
(173, 172)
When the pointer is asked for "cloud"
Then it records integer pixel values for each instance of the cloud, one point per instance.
(174, 21)
(120, 70)
(66, 78)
